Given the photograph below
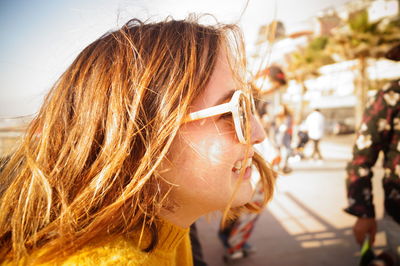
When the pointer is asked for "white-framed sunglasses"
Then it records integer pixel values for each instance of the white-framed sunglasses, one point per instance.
(242, 108)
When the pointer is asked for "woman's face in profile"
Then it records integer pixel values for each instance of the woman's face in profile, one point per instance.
(205, 156)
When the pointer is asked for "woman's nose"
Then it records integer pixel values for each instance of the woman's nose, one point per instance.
(257, 130)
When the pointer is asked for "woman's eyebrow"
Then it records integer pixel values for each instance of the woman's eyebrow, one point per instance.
(224, 98)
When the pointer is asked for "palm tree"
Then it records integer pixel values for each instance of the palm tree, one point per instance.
(360, 40)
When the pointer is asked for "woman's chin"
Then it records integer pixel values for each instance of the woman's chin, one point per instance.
(243, 195)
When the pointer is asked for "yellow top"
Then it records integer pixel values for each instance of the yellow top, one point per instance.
(173, 248)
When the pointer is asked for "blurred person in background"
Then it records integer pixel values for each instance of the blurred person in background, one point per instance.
(197, 249)
(284, 133)
(379, 131)
(276, 81)
(150, 128)
(269, 101)
(315, 123)
(269, 106)
(234, 235)
(302, 140)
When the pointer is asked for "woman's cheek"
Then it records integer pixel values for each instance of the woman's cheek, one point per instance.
(214, 149)
(207, 148)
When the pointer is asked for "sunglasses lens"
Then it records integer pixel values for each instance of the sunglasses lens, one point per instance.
(244, 116)
(253, 104)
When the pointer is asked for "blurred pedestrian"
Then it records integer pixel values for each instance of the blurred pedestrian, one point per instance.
(150, 128)
(269, 99)
(269, 104)
(276, 81)
(235, 233)
(379, 132)
(315, 123)
(302, 136)
(283, 136)
(197, 249)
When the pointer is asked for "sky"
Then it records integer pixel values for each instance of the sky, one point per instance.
(40, 38)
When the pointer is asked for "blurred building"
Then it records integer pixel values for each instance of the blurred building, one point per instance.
(11, 131)
(332, 89)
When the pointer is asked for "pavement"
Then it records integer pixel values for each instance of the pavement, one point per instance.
(304, 224)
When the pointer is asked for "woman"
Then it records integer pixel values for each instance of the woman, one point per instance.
(148, 129)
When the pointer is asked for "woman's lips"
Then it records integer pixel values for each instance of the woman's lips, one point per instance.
(247, 174)
(240, 164)
(237, 169)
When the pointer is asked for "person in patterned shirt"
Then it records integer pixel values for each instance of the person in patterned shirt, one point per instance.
(379, 131)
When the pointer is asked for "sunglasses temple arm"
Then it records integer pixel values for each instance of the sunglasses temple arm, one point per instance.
(212, 111)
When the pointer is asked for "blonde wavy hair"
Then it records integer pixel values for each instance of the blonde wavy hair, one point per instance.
(88, 161)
